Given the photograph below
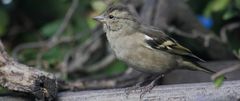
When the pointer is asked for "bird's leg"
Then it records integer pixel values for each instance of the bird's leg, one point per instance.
(137, 86)
(150, 86)
(130, 89)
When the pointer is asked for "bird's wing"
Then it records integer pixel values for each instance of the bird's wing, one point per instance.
(159, 40)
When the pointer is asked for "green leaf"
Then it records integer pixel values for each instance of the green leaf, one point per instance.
(27, 55)
(54, 55)
(99, 6)
(80, 24)
(219, 81)
(237, 4)
(216, 6)
(3, 90)
(91, 23)
(49, 29)
(237, 53)
(3, 21)
(115, 68)
(229, 14)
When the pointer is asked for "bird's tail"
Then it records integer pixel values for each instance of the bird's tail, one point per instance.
(197, 67)
(204, 69)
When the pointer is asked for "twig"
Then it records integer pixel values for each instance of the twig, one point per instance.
(237, 54)
(39, 59)
(101, 64)
(65, 22)
(223, 32)
(194, 35)
(41, 44)
(224, 71)
(224, 39)
(83, 54)
(63, 66)
(55, 39)
(27, 46)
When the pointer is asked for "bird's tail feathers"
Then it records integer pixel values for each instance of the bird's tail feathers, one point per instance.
(196, 66)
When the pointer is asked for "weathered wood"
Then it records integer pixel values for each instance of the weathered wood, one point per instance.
(18, 77)
(230, 91)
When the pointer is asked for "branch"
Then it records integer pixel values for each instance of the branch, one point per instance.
(101, 64)
(42, 44)
(55, 40)
(83, 53)
(66, 21)
(194, 35)
(19, 77)
(174, 92)
(225, 71)
(223, 32)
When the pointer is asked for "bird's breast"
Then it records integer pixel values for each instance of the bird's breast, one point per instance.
(132, 51)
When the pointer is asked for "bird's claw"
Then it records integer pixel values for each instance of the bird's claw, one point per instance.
(146, 89)
(143, 90)
(130, 89)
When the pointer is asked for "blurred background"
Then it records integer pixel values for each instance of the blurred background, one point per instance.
(60, 36)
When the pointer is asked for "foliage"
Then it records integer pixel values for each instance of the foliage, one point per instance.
(219, 81)
(33, 21)
(237, 53)
(115, 68)
(3, 21)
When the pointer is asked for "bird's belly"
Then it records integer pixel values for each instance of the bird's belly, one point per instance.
(139, 57)
(149, 61)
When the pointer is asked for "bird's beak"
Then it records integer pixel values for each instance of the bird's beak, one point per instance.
(99, 18)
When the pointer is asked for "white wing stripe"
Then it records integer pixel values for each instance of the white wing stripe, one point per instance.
(148, 37)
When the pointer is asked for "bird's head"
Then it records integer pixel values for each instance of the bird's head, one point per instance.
(118, 17)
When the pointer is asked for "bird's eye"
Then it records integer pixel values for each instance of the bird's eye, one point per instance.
(111, 16)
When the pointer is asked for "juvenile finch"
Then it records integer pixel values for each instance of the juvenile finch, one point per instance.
(145, 48)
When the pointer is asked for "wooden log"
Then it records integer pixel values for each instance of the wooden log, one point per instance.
(230, 91)
(18, 77)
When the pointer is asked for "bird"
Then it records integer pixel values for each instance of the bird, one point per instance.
(143, 47)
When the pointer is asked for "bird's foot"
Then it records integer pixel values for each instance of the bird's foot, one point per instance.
(149, 87)
(134, 88)
(143, 89)
(146, 89)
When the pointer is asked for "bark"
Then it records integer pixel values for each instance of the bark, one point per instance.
(182, 92)
(18, 77)
(230, 91)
